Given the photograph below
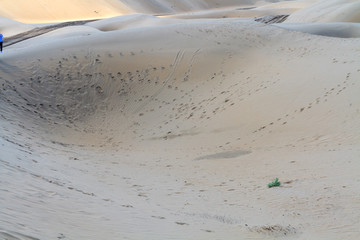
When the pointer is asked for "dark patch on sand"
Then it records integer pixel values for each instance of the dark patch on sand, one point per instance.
(227, 154)
(275, 230)
(272, 19)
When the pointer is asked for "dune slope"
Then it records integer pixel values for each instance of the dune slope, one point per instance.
(139, 127)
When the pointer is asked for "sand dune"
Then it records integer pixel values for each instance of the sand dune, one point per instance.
(38, 11)
(9, 27)
(340, 30)
(329, 11)
(145, 127)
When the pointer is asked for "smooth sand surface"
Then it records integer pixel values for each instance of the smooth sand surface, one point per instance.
(10, 27)
(329, 11)
(143, 127)
(338, 29)
(40, 11)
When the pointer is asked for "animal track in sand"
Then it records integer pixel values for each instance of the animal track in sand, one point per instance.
(274, 230)
(334, 91)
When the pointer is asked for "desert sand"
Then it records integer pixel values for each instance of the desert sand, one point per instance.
(167, 119)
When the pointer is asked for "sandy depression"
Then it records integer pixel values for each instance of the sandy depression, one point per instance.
(159, 119)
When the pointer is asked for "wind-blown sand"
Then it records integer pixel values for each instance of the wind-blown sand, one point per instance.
(145, 127)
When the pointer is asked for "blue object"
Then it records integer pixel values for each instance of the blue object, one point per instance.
(1, 37)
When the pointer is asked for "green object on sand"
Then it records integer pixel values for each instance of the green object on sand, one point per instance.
(274, 183)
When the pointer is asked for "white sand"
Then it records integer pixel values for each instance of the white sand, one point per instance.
(340, 30)
(139, 127)
(329, 11)
(10, 27)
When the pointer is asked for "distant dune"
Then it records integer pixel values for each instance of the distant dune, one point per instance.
(38, 11)
(168, 119)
